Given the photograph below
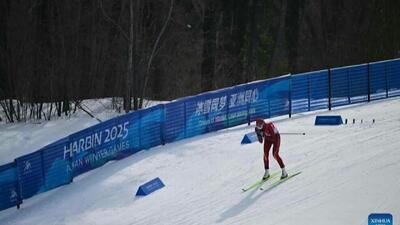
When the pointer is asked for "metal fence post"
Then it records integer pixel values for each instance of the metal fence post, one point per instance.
(290, 96)
(309, 92)
(185, 120)
(140, 129)
(162, 125)
(227, 109)
(248, 113)
(369, 83)
(348, 87)
(329, 89)
(386, 80)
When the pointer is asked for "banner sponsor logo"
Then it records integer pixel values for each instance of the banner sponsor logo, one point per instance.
(27, 167)
(96, 139)
(13, 195)
(215, 105)
(102, 142)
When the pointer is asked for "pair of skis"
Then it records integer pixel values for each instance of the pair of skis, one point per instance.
(272, 184)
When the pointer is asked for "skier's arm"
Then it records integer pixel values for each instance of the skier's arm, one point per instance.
(260, 135)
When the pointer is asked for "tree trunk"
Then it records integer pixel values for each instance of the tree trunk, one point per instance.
(59, 109)
(11, 110)
(130, 72)
(49, 112)
(40, 110)
(153, 53)
(66, 106)
(209, 47)
(292, 32)
(279, 45)
(251, 68)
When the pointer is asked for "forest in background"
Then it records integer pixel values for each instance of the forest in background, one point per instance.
(54, 53)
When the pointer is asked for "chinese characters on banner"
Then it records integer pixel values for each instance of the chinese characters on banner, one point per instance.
(217, 104)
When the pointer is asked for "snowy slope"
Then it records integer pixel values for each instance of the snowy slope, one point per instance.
(348, 172)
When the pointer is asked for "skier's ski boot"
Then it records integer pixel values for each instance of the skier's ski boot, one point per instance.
(284, 174)
(266, 175)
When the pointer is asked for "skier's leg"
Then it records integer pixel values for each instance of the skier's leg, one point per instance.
(267, 146)
(275, 152)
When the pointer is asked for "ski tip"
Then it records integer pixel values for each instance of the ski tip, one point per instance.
(293, 174)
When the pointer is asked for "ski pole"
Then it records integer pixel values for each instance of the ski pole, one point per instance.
(293, 133)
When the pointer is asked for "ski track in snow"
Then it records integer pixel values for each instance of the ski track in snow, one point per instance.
(348, 172)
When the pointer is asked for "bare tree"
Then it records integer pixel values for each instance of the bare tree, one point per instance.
(138, 38)
(154, 52)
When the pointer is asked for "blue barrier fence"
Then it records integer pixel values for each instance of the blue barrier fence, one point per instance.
(58, 163)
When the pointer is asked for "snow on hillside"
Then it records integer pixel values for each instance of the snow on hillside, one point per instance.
(348, 172)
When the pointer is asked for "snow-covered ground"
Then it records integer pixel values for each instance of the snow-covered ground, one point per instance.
(348, 172)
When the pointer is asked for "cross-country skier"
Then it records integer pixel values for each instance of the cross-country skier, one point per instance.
(269, 133)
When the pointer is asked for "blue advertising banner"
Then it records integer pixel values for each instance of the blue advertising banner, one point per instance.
(310, 91)
(31, 174)
(206, 112)
(300, 93)
(80, 148)
(9, 191)
(258, 100)
(393, 76)
(150, 126)
(340, 87)
(175, 122)
(218, 113)
(378, 80)
(319, 90)
(278, 94)
(238, 99)
(128, 142)
(107, 145)
(56, 168)
(358, 83)
(197, 115)
(94, 146)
